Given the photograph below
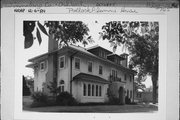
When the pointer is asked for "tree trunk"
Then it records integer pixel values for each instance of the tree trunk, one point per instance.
(155, 86)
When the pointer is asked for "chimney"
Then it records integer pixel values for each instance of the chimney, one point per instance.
(52, 43)
(124, 62)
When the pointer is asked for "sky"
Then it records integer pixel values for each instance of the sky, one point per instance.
(94, 27)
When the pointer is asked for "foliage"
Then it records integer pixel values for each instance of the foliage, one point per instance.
(64, 32)
(53, 87)
(138, 85)
(28, 28)
(26, 90)
(65, 99)
(39, 97)
(113, 100)
(141, 39)
(127, 100)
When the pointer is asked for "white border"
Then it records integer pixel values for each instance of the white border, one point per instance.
(162, 77)
(171, 57)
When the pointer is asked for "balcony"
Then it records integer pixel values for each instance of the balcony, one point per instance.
(114, 78)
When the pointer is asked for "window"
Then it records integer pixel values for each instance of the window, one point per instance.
(114, 75)
(119, 62)
(77, 63)
(61, 62)
(89, 90)
(130, 78)
(100, 53)
(89, 66)
(92, 90)
(100, 70)
(61, 86)
(140, 95)
(42, 66)
(103, 54)
(84, 89)
(99, 90)
(131, 94)
(124, 76)
(128, 93)
(96, 90)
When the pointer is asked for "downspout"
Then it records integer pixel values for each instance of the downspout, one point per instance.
(133, 88)
(71, 78)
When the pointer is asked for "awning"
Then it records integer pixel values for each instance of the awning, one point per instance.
(90, 78)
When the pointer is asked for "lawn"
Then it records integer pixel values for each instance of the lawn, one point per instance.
(92, 109)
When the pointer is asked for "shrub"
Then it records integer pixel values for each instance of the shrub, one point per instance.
(133, 103)
(65, 99)
(127, 100)
(39, 97)
(26, 90)
(112, 99)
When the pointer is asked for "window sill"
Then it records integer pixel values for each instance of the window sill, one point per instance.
(94, 97)
(42, 70)
(61, 68)
(77, 69)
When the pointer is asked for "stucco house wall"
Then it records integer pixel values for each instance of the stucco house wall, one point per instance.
(40, 76)
(77, 86)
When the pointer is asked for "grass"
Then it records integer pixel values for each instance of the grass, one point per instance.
(97, 109)
(90, 108)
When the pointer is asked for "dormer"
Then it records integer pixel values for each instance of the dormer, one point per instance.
(99, 51)
(115, 58)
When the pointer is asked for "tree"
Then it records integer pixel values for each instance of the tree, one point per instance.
(64, 32)
(138, 85)
(26, 90)
(53, 88)
(141, 39)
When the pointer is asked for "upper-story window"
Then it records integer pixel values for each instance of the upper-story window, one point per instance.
(124, 76)
(61, 62)
(130, 79)
(90, 64)
(77, 63)
(100, 70)
(102, 54)
(119, 62)
(128, 93)
(116, 61)
(131, 94)
(114, 74)
(42, 66)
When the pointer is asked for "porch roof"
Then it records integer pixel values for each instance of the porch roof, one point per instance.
(90, 78)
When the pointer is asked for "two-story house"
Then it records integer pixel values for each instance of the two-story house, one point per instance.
(85, 73)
